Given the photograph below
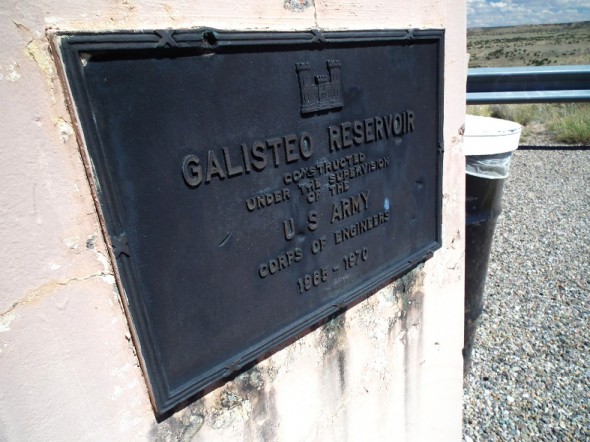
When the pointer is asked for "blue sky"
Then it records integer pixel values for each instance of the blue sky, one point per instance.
(482, 13)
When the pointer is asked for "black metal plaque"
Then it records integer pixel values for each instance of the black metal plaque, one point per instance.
(252, 184)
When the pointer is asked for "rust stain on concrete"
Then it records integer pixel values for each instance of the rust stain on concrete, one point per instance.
(246, 401)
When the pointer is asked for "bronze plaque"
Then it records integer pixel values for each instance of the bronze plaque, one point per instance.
(252, 184)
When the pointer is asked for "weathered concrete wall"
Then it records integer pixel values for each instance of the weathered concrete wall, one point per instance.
(390, 368)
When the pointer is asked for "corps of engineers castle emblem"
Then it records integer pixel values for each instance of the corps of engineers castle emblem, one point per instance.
(321, 92)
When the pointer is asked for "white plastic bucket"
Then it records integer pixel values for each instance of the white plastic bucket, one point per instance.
(488, 144)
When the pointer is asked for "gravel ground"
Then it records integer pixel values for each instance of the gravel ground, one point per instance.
(530, 373)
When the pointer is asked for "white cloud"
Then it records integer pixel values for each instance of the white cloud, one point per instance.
(482, 13)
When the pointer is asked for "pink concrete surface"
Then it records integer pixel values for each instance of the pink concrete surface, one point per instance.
(386, 370)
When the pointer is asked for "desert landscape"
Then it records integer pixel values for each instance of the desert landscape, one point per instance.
(536, 45)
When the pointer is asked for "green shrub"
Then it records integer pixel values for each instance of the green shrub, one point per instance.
(521, 113)
(570, 123)
(482, 110)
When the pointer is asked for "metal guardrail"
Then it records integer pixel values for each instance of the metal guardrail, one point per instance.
(543, 84)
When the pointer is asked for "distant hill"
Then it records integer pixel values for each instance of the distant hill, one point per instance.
(530, 45)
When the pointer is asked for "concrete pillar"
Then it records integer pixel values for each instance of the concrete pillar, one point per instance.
(389, 368)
